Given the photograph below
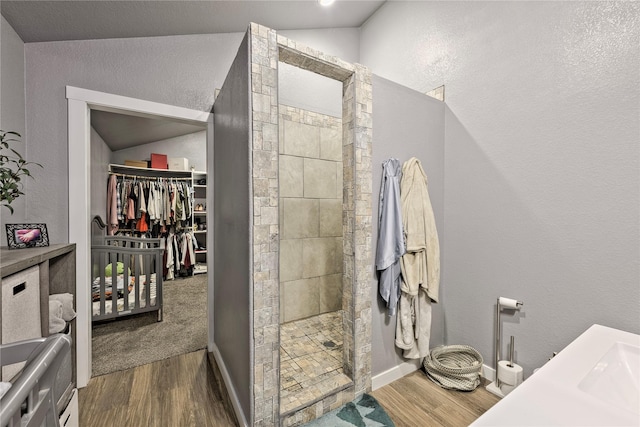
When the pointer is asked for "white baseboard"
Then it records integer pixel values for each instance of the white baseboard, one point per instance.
(235, 402)
(488, 373)
(395, 373)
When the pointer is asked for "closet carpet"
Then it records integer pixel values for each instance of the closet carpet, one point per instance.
(138, 340)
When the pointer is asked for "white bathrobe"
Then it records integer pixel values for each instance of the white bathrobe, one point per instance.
(420, 264)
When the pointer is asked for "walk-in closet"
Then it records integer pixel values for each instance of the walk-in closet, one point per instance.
(148, 243)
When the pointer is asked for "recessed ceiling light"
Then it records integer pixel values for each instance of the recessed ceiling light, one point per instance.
(326, 2)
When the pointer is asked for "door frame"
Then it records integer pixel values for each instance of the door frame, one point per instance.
(80, 102)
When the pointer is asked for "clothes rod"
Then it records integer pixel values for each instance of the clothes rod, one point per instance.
(152, 178)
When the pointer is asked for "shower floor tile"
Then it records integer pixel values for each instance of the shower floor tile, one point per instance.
(310, 360)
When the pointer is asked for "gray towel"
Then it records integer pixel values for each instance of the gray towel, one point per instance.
(391, 244)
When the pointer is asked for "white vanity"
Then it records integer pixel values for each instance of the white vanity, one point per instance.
(594, 381)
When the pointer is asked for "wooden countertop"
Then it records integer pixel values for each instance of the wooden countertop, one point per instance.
(14, 260)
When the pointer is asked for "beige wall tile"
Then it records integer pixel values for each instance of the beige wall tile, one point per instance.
(291, 177)
(330, 293)
(331, 144)
(321, 256)
(301, 140)
(290, 259)
(339, 180)
(330, 217)
(320, 179)
(281, 296)
(301, 299)
(280, 135)
(339, 255)
(300, 218)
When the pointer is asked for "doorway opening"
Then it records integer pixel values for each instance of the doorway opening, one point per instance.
(85, 187)
(310, 180)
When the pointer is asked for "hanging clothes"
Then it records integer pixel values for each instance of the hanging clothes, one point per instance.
(391, 245)
(112, 206)
(142, 225)
(170, 257)
(131, 202)
(187, 249)
(420, 264)
(142, 200)
(157, 201)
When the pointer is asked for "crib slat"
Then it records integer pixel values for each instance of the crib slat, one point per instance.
(101, 266)
(137, 285)
(125, 279)
(113, 258)
(147, 288)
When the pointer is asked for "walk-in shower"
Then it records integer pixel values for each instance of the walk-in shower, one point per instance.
(262, 212)
(310, 176)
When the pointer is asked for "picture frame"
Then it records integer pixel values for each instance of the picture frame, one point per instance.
(21, 236)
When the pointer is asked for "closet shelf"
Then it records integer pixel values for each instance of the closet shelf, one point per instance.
(149, 172)
(199, 212)
(202, 251)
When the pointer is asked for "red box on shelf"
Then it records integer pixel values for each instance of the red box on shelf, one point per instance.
(158, 161)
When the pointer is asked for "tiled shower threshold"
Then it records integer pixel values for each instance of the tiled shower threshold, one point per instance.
(311, 361)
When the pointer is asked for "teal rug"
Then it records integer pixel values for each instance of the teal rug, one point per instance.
(362, 412)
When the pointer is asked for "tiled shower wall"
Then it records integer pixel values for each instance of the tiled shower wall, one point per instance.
(265, 50)
(310, 171)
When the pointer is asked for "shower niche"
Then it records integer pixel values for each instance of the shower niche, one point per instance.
(292, 252)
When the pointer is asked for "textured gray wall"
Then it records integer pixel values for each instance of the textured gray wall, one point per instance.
(310, 91)
(406, 124)
(100, 159)
(541, 160)
(341, 42)
(192, 146)
(175, 70)
(232, 224)
(12, 109)
(180, 70)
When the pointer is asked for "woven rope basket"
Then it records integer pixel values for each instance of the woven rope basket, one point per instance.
(454, 367)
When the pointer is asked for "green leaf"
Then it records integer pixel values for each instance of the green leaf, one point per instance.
(9, 207)
(16, 153)
(12, 168)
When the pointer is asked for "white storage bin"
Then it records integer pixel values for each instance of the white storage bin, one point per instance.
(20, 311)
(69, 417)
(179, 163)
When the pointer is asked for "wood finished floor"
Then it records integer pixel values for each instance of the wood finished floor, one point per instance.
(182, 391)
(415, 401)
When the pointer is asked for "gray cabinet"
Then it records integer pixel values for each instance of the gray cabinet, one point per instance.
(35, 273)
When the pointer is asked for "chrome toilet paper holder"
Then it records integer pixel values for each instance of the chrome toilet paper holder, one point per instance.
(513, 304)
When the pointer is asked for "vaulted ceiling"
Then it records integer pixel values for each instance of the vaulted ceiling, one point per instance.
(42, 21)
(46, 21)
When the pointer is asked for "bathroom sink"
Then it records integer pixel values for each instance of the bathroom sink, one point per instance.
(616, 377)
(593, 381)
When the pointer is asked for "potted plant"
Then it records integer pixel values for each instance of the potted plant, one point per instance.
(12, 169)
